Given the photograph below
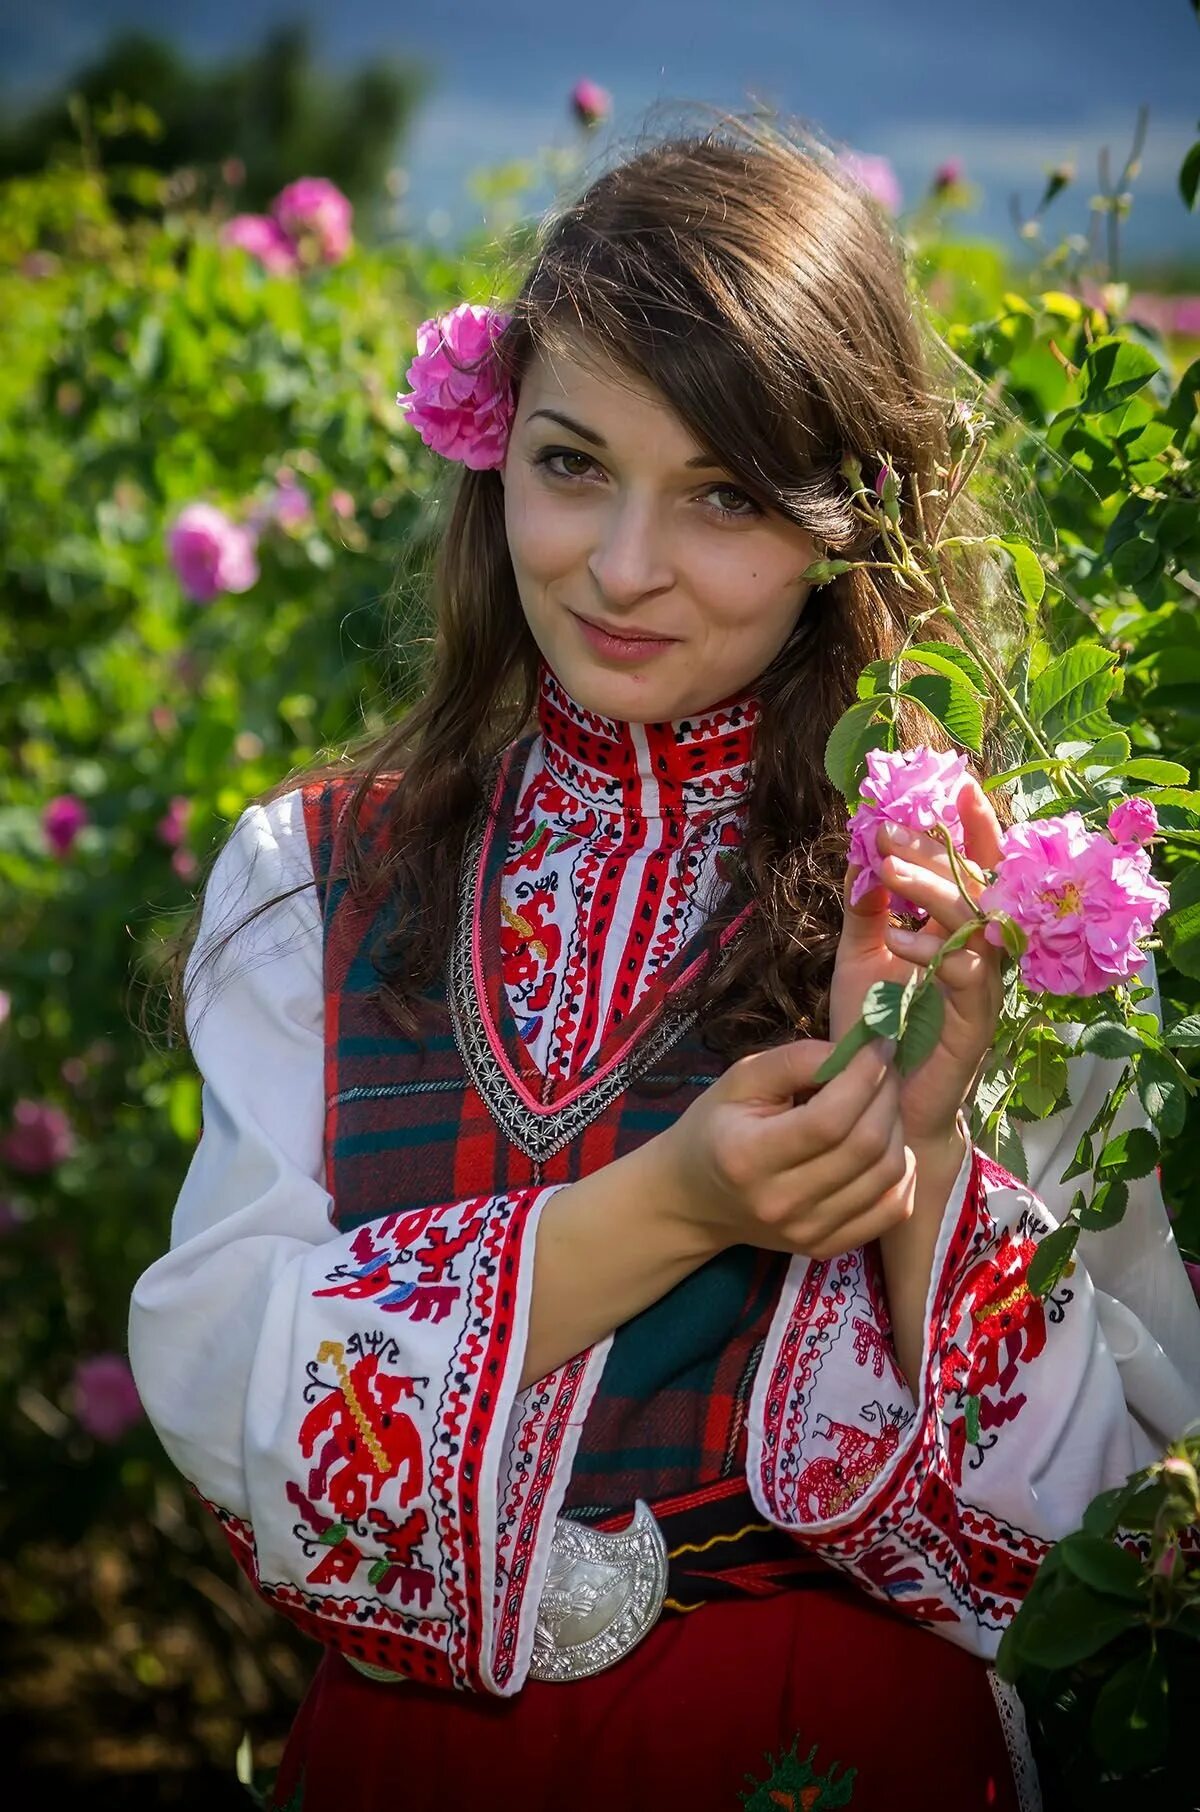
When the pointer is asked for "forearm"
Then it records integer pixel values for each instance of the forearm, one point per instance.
(907, 1251)
(607, 1247)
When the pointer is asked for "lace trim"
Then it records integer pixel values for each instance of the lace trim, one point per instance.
(1011, 1713)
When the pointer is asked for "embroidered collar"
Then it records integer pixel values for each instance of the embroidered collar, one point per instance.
(692, 766)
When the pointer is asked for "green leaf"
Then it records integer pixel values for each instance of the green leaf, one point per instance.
(1131, 1154)
(937, 654)
(951, 703)
(883, 1008)
(1180, 927)
(1030, 576)
(1072, 691)
(1162, 1093)
(1184, 1034)
(875, 681)
(1115, 368)
(1004, 1143)
(1106, 1208)
(922, 1028)
(1104, 1565)
(1074, 1624)
(845, 751)
(377, 1571)
(335, 1533)
(1130, 1719)
(860, 1033)
(1161, 773)
(1051, 1259)
(1108, 1038)
(1042, 1074)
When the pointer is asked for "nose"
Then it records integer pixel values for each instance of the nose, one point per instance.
(631, 556)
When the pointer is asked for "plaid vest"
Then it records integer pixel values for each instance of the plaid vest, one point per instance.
(471, 1116)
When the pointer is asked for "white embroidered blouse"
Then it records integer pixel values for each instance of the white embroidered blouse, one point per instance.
(1026, 1408)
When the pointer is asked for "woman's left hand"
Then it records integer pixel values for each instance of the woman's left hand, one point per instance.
(872, 949)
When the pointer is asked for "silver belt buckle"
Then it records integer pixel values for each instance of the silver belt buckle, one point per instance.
(603, 1592)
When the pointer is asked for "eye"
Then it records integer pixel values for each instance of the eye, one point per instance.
(729, 490)
(550, 453)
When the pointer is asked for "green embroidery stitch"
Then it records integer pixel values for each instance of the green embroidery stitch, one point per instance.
(794, 1786)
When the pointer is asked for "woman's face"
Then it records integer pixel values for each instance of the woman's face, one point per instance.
(611, 516)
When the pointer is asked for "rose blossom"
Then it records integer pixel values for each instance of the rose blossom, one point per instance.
(1081, 900)
(105, 1396)
(1133, 821)
(876, 176)
(62, 820)
(342, 504)
(461, 402)
(171, 828)
(40, 1137)
(916, 788)
(210, 553)
(264, 239)
(590, 102)
(314, 211)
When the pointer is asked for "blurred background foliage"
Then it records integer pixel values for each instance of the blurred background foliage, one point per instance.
(147, 365)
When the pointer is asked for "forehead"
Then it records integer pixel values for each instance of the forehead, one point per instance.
(588, 378)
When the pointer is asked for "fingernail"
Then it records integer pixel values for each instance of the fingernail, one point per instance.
(905, 939)
(903, 839)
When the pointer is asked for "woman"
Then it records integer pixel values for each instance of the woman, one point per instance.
(634, 1422)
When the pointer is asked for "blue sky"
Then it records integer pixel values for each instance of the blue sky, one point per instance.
(1008, 89)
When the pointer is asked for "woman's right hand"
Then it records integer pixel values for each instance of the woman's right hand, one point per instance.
(749, 1166)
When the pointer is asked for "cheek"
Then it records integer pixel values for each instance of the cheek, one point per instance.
(542, 540)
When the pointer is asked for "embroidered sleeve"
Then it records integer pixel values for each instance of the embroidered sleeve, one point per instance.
(347, 1404)
(1028, 1406)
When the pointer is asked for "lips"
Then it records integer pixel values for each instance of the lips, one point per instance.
(623, 635)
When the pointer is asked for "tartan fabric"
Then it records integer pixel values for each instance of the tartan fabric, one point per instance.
(406, 1130)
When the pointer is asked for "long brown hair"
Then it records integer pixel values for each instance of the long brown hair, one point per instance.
(763, 293)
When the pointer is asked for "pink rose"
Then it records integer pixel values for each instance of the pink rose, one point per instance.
(461, 402)
(264, 239)
(876, 176)
(5, 1006)
(185, 864)
(1133, 821)
(916, 788)
(1081, 900)
(316, 218)
(590, 102)
(105, 1396)
(947, 175)
(210, 553)
(62, 820)
(342, 504)
(41, 1136)
(172, 828)
(1193, 1271)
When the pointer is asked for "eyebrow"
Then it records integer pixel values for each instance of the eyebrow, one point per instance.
(701, 461)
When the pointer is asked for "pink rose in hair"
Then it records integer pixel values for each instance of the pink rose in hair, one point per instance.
(40, 1138)
(315, 214)
(264, 239)
(106, 1399)
(916, 788)
(1081, 900)
(210, 553)
(461, 402)
(62, 820)
(1133, 821)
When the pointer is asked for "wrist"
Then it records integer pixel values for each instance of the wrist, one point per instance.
(674, 1197)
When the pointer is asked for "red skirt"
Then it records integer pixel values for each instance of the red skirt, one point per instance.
(806, 1700)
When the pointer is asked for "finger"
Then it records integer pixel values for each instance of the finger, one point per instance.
(929, 852)
(845, 1130)
(981, 827)
(922, 947)
(935, 893)
(775, 1076)
(851, 1230)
